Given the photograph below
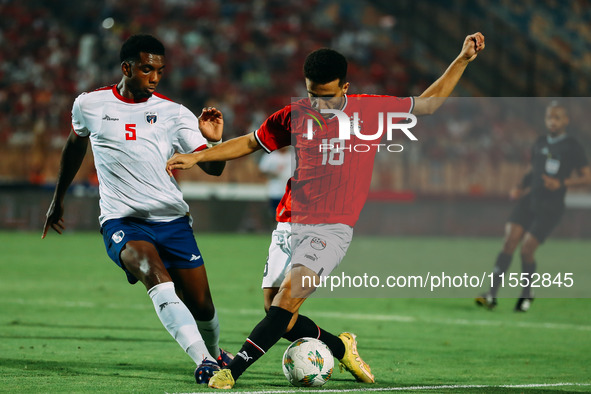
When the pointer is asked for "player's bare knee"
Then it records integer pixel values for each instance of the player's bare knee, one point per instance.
(269, 294)
(307, 286)
(513, 236)
(200, 305)
(527, 252)
(203, 312)
(141, 259)
(302, 282)
(135, 257)
(528, 247)
(511, 242)
(289, 304)
(510, 245)
(205, 307)
(285, 300)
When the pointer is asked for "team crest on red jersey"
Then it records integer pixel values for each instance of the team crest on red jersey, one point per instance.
(151, 117)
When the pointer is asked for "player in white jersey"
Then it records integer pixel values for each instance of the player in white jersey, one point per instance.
(144, 220)
(278, 167)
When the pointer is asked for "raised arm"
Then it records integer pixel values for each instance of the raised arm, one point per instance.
(432, 98)
(228, 150)
(72, 157)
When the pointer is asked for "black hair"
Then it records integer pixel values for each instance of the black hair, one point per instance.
(557, 104)
(131, 48)
(325, 65)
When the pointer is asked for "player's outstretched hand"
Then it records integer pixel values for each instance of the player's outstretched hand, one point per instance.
(473, 44)
(211, 123)
(551, 183)
(181, 162)
(54, 219)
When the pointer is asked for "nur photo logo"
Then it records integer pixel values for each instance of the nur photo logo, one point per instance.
(375, 125)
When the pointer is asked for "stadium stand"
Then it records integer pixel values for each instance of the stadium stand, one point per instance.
(245, 57)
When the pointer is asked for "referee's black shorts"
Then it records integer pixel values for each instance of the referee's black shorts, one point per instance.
(537, 221)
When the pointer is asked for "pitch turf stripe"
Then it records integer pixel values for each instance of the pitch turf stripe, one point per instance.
(458, 322)
(413, 388)
(328, 314)
(412, 319)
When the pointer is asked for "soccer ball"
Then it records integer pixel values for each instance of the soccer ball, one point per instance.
(308, 362)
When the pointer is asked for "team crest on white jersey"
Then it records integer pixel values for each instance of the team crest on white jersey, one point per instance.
(318, 243)
(151, 117)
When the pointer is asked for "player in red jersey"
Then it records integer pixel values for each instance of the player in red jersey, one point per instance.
(325, 160)
(323, 199)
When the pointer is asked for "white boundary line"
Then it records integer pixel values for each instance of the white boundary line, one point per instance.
(328, 314)
(416, 388)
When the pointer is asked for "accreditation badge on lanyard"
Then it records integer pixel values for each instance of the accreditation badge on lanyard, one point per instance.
(552, 166)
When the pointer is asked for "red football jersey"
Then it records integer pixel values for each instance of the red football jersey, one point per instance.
(332, 176)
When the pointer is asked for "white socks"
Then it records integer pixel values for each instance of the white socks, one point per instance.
(210, 330)
(179, 321)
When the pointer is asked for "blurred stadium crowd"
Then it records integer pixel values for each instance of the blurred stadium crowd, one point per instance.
(245, 58)
(562, 27)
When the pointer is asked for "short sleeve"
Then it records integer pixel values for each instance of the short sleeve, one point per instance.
(401, 104)
(275, 131)
(188, 137)
(78, 121)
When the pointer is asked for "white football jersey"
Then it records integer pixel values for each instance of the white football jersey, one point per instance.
(279, 167)
(131, 142)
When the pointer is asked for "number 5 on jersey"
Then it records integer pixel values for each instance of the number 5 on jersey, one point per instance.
(130, 132)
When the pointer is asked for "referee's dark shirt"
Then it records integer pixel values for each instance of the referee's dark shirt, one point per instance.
(557, 158)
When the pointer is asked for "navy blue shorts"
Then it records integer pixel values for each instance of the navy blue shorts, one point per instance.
(174, 241)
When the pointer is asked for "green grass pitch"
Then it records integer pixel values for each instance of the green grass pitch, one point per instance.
(69, 322)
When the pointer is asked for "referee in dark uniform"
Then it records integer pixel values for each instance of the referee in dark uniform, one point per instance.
(554, 158)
